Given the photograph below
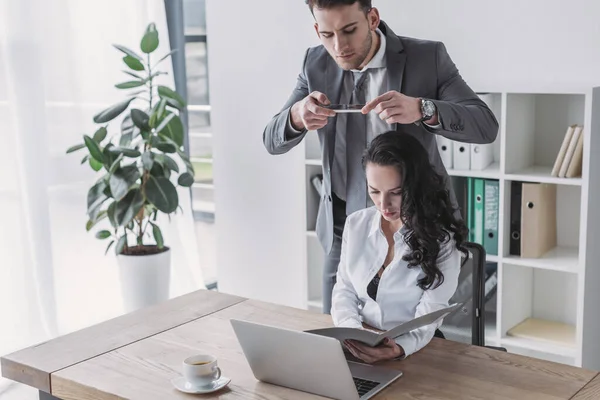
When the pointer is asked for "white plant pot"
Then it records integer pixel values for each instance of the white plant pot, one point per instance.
(145, 279)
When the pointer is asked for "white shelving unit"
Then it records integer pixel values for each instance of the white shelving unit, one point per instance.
(559, 291)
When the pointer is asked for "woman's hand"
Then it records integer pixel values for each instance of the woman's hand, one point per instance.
(388, 350)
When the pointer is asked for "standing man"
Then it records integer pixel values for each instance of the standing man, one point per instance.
(406, 84)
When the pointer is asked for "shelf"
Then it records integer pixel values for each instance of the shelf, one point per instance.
(492, 258)
(542, 347)
(312, 161)
(311, 234)
(540, 174)
(549, 332)
(565, 259)
(491, 172)
(203, 160)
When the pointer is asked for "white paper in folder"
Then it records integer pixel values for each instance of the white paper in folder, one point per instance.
(461, 154)
(445, 149)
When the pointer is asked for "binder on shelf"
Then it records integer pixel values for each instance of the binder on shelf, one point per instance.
(491, 205)
(445, 148)
(538, 219)
(575, 167)
(563, 150)
(461, 155)
(482, 155)
(470, 209)
(478, 209)
(459, 184)
(516, 193)
(570, 151)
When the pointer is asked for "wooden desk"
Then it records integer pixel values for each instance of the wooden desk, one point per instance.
(33, 366)
(143, 368)
(591, 391)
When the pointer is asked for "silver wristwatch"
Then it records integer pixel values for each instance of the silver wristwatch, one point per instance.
(428, 109)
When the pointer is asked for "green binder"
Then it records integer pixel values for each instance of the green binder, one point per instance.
(470, 208)
(491, 205)
(478, 209)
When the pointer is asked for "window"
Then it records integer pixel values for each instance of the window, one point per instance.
(200, 132)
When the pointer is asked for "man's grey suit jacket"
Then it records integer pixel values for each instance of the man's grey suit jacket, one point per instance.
(416, 68)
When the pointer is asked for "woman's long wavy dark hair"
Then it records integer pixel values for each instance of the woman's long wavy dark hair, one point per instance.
(426, 208)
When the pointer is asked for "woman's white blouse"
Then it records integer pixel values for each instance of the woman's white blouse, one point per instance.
(399, 299)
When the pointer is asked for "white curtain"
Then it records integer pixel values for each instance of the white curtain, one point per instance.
(58, 69)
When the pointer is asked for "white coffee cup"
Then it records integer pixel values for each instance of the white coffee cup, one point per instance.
(201, 370)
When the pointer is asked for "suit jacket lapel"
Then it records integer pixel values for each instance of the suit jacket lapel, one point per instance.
(396, 59)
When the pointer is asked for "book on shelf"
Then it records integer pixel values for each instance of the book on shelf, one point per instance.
(372, 338)
(570, 155)
(575, 167)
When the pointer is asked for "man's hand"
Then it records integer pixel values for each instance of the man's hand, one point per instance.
(388, 350)
(394, 107)
(308, 114)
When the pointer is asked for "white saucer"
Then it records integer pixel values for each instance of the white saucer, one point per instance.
(182, 385)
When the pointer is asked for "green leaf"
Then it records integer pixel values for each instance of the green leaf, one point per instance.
(160, 109)
(128, 51)
(173, 129)
(125, 151)
(122, 180)
(116, 164)
(165, 92)
(109, 246)
(165, 121)
(112, 112)
(140, 119)
(109, 156)
(103, 234)
(121, 244)
(158, 237)
(95, 198)
(148, 160)
(150, 40)
(91, 223)
(166, 147)
(162, 194)
(165, 57)
(133, 63)
(110, 212)
(94, 149)
(141, 78)
(85, 158)
(157, 169)
(125, 139)
(75, 148)
(128, 208)
(96, 165)
(100, 135)
(186, 179)
(130, 84)
(167, 162)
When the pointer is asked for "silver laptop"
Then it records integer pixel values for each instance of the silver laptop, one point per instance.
(308, 362)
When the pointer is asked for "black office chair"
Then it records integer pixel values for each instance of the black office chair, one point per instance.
(467, 324)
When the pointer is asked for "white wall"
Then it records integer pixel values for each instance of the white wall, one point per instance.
(255, 53)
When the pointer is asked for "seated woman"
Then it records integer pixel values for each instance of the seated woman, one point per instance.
(400, 258)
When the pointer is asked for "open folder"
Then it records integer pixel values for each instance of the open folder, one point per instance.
(373, 339)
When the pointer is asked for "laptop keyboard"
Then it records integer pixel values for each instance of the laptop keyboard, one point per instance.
(364, 386)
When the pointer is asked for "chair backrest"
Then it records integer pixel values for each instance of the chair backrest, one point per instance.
(467, 324)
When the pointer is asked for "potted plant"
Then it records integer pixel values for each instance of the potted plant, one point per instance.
(136, 161)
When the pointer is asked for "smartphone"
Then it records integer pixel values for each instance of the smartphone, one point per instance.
(344, 108)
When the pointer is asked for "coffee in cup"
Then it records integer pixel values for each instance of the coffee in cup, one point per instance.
(201, 370)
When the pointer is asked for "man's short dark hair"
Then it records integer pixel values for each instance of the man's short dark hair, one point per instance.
(365, 5)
